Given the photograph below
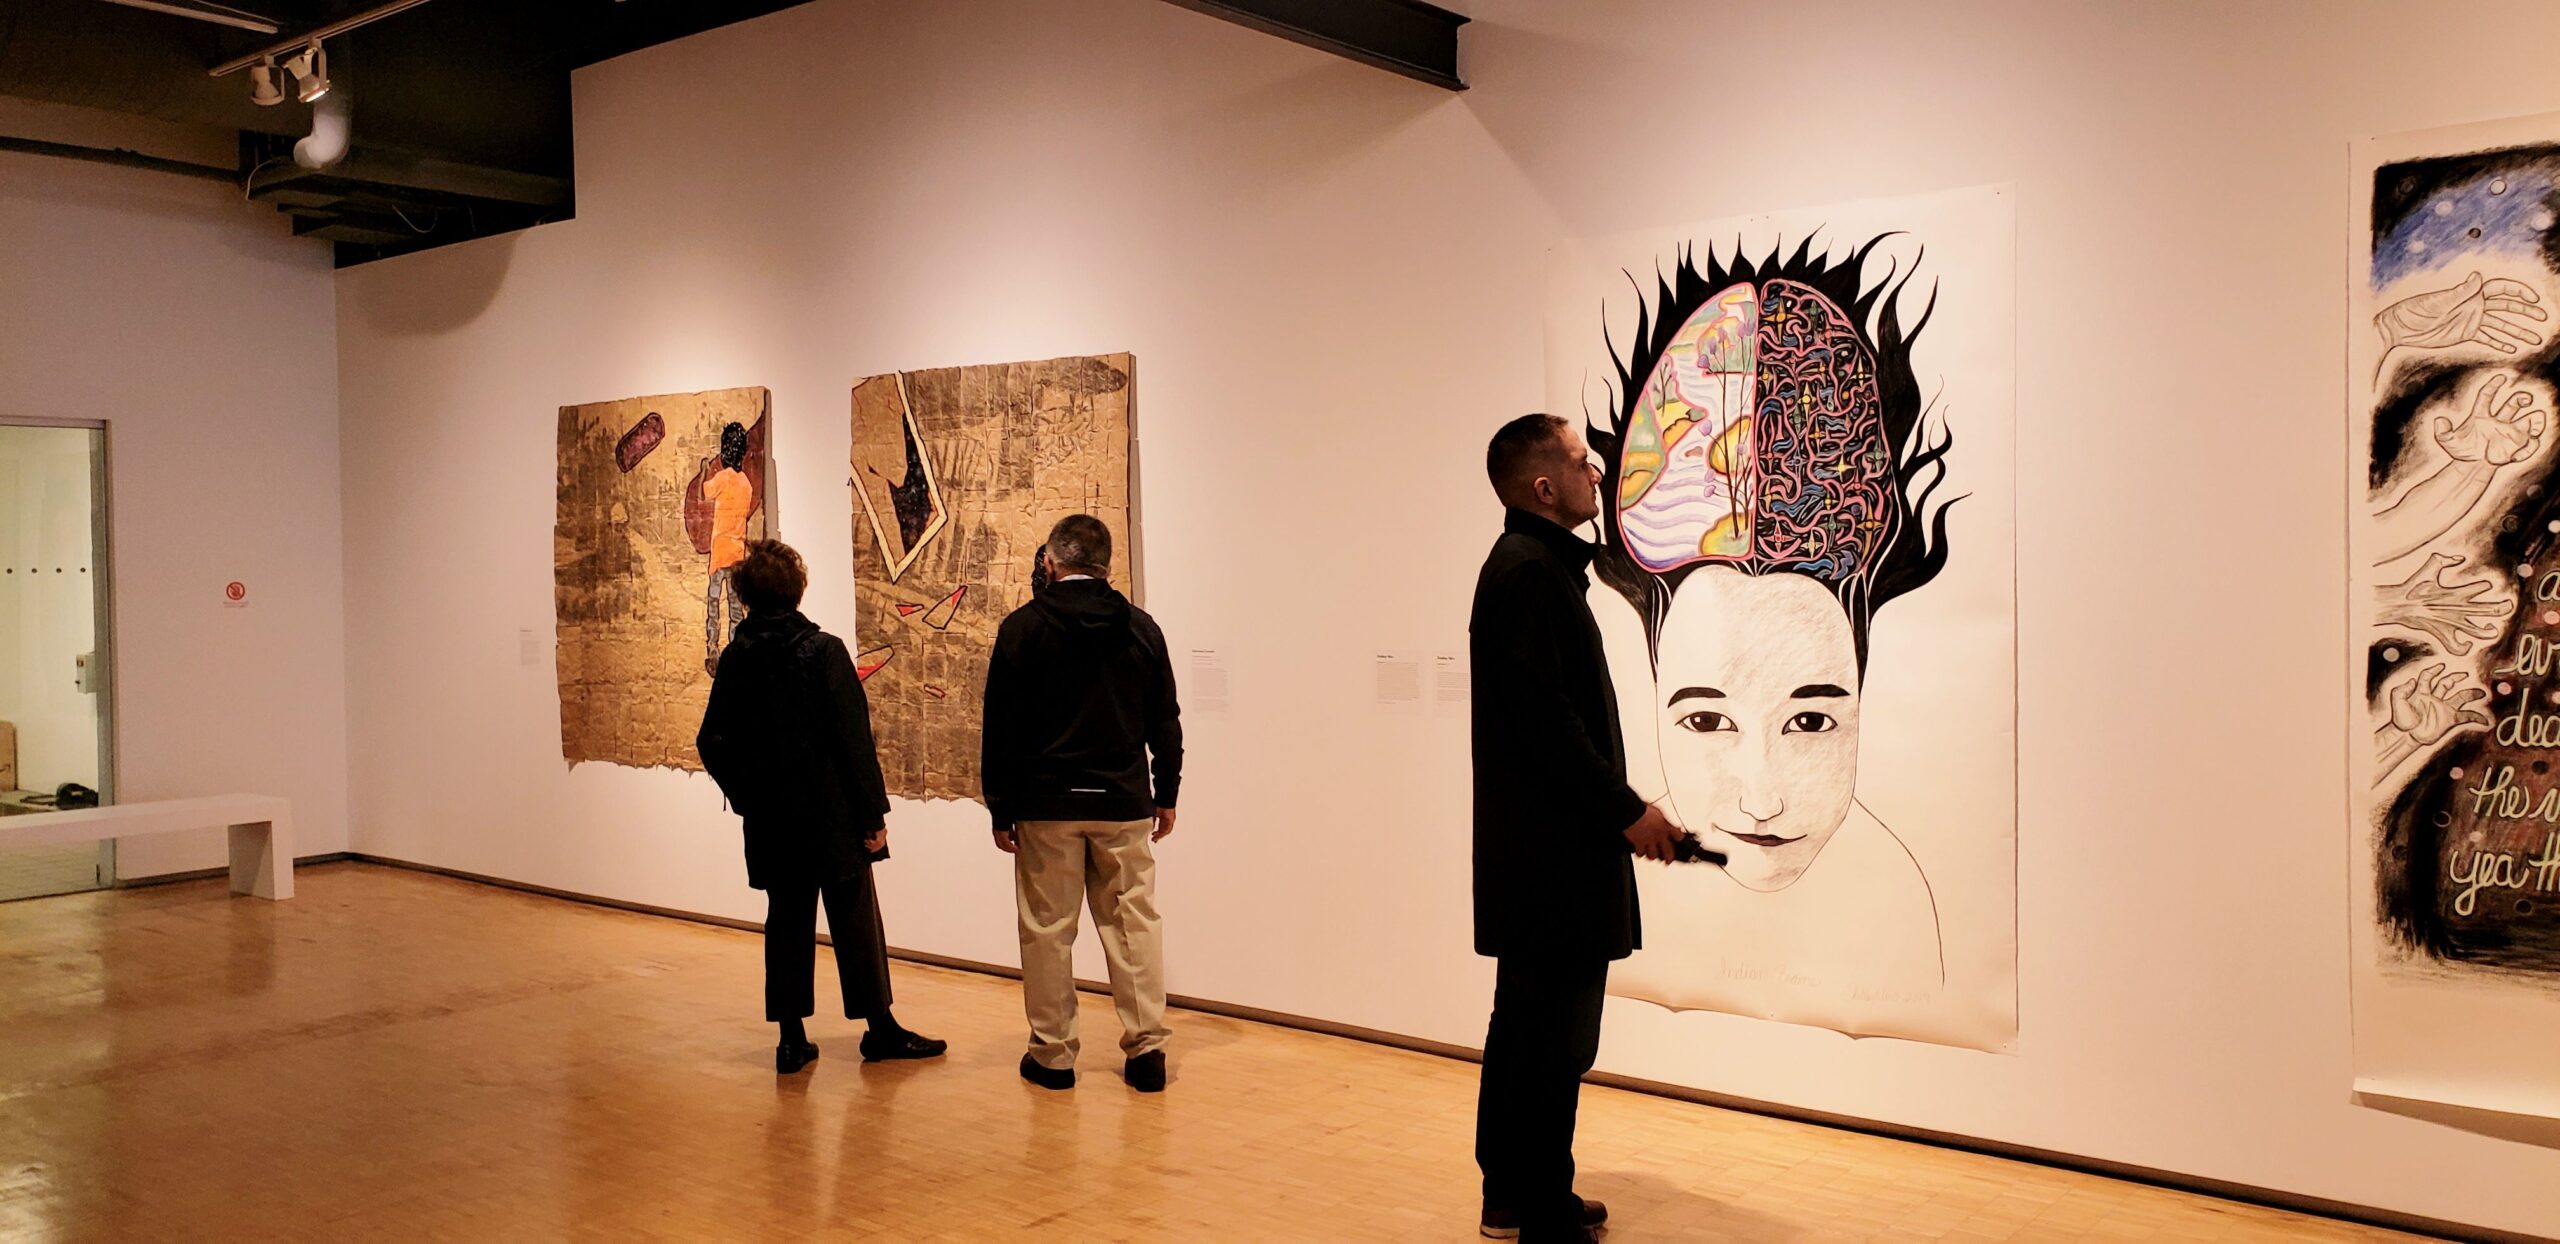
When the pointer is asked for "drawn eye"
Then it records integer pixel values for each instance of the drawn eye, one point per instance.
(1811, 723)
(1703, 722)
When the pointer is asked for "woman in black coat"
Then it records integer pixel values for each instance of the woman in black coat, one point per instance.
(787, 736)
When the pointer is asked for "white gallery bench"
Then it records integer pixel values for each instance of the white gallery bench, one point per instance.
(261, 833)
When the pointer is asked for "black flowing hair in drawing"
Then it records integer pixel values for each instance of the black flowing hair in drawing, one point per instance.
(733, 445)
(1917, 545)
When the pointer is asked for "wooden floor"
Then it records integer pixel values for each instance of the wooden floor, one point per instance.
(398, 1056)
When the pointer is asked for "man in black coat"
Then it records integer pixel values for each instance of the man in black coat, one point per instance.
(1556, 827)
(787, 735)
(1081, 766)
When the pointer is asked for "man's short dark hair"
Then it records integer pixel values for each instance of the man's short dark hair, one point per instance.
(1080, 543)
(771, 579)
(1511, 461)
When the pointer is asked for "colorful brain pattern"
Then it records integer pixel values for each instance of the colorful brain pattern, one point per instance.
(1685, 475)
(1826, 466)
(1762, 418)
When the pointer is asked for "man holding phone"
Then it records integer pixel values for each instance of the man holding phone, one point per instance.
(1556, 829)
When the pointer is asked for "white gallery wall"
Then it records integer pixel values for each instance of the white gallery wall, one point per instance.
(200, 331)
(1333, 281)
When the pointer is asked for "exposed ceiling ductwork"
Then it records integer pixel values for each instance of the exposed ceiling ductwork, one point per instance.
(457, 122)
(450, 118)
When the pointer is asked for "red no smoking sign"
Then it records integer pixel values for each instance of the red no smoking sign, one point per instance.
(235, 594)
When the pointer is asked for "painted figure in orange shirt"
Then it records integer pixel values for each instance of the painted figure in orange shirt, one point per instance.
(732, 500)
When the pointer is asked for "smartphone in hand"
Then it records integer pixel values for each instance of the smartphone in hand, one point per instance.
(1688, 850)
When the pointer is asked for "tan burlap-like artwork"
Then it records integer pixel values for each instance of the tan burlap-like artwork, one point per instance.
(957, 474)
(657, 497)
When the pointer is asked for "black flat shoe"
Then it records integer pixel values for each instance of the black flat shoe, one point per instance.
(1502, 1224)
(1145, 1073)
(790, 1056)
(1061, 1078)
(880, 1047)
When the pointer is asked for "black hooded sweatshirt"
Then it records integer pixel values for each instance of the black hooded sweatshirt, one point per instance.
(1079, 693)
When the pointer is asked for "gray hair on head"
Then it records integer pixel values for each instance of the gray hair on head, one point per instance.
(1080, 543)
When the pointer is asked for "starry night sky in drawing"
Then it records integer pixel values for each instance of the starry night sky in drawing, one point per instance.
(2431, 212)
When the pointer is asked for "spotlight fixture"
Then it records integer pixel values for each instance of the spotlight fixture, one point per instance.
(310, 67)
(263, 90)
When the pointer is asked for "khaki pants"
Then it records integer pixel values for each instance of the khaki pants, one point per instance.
(1057, 866)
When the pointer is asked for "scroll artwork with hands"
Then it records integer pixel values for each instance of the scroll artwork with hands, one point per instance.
(2455, 553)
(1803, 579)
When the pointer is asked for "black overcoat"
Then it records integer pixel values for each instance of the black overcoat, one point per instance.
(787, 735)
(1554, 874)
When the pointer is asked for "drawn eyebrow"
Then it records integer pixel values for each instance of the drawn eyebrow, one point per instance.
(1820, 691)
(1696, 693)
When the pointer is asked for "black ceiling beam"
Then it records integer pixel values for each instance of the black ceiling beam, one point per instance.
(641, 24)
(1406, 37)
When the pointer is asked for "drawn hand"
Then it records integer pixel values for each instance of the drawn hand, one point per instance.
(2454, 615)
(2435, 703)
(2499, 431)
(2491, 313)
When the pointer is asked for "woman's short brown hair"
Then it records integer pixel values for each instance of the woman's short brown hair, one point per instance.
(772, 577)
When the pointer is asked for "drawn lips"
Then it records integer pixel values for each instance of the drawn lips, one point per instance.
(1765, 840)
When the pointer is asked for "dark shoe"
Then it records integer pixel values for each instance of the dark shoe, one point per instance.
(1502, 1224)
(1145, 1073)
(1576, 1234)
(881, 1047)
(790, 1056)
(1061, 1078)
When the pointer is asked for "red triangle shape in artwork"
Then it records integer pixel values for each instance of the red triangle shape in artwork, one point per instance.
(940, 618)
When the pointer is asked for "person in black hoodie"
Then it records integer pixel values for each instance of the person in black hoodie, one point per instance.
(787, 735)
(1079, 696)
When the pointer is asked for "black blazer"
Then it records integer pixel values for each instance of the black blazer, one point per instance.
(1553, 872)
(787, 735)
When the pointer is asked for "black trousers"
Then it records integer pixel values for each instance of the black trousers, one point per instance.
(1544, 1036)
(791, 948)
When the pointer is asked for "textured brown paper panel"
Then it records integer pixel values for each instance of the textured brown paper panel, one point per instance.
(627, 582)
(945, 525)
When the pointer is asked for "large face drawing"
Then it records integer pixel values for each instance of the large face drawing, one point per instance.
(1758, 718)
(1756, 479)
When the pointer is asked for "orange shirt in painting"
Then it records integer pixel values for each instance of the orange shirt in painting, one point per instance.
(731, 498)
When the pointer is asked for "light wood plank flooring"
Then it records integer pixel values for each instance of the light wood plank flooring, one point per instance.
(392, 1055)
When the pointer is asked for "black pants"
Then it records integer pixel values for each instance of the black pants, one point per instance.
(791, 949)
(1544, 1035)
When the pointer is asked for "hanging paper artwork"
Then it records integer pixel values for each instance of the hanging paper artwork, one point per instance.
(658, 497)
(1804, 583)
(958, 473)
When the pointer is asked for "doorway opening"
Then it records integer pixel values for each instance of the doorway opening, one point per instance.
(56, 717)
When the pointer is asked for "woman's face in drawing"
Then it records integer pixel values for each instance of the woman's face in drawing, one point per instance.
(1757, 688)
